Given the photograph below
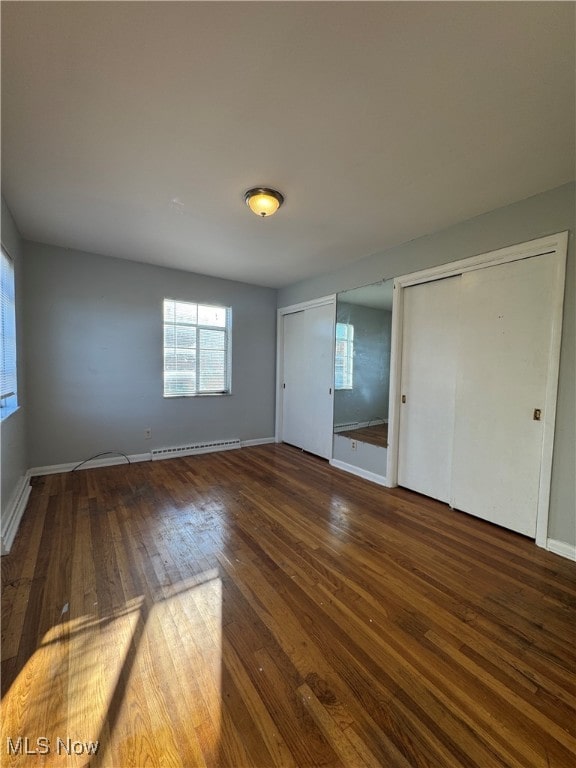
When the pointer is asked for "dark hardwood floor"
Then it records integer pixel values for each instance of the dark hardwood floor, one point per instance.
(260, 608)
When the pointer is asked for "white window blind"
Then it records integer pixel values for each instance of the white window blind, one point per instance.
(8, 382)
(344, 362)
(197, 349)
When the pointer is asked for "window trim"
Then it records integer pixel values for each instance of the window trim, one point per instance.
(9, 400)
(227, 328)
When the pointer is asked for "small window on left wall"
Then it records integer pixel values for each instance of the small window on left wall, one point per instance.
(8, 373)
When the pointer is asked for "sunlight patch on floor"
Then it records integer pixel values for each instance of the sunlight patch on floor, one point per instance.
(102, 680)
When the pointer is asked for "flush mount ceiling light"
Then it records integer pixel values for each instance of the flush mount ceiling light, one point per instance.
(263, 201)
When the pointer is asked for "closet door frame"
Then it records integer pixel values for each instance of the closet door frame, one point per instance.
(282, 312)
(555, 245)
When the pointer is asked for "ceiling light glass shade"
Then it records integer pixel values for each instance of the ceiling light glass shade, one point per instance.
(263, 201)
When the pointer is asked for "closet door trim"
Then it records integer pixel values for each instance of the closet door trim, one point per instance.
(557, 245)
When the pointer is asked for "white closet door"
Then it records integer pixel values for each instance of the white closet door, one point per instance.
(308, 379)
(504, 351)
(429, 349)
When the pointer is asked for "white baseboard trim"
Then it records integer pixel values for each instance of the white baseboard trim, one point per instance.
(372, 476)
(13, 513)
(109, 461)
(562, 548)
(258, 441)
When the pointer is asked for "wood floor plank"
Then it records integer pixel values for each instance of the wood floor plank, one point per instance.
(280, 755)
(18, 572)
(258, 608)
(343, 747)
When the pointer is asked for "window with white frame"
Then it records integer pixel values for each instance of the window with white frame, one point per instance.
(344, 363)
(197, 349)
(8, 374)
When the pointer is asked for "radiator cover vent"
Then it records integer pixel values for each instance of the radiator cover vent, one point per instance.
(195, 448)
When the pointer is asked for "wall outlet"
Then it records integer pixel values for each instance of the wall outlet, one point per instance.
(353, 445)
(147, 433)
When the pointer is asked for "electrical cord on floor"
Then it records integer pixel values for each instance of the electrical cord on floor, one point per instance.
(104, 453)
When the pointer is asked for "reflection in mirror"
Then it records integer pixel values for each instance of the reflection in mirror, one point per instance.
(362, 376)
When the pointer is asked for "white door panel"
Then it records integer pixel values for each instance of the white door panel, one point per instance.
(503, 360)
(430, 326)
(308, 366)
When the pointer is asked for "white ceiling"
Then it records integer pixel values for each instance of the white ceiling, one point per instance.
(133, 129)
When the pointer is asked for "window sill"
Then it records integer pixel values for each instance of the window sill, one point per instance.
(5, 413)
(198, 394)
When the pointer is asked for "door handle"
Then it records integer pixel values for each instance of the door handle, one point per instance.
(403, 398)
(537, 414)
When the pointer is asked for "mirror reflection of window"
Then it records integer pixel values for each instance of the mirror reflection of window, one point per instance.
(344, 363)
(362, 376)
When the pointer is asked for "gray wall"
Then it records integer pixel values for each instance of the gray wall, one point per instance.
(94, 357)
(368, 399)
(544, 214)
(13, 456)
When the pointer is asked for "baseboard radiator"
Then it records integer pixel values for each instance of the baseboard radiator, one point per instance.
(194, 448)
(345, 427)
